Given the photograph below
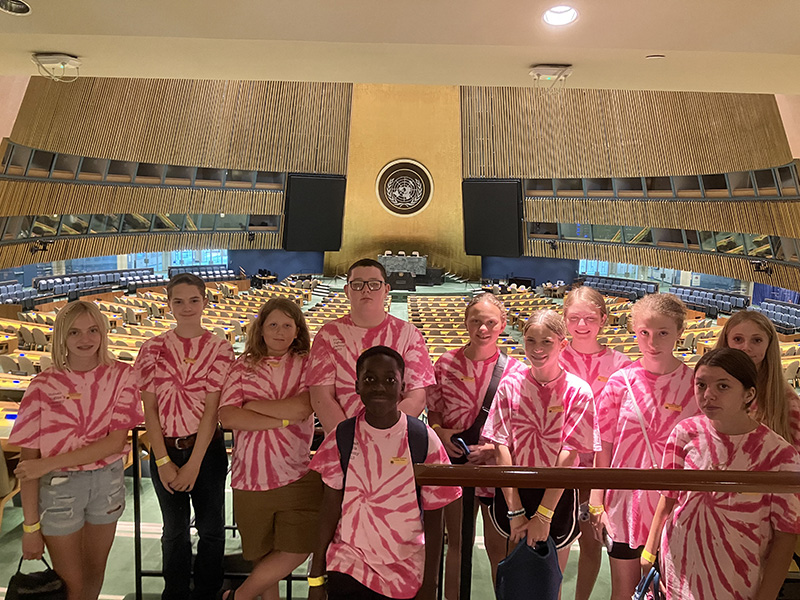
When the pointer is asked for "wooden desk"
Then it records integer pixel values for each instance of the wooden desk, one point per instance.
(12, 387)
(8, 343)
(8, 413)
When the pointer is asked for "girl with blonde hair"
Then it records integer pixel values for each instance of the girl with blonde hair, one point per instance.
(72, 426)
(776, 404)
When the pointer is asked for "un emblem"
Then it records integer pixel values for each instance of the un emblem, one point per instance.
(404, 187)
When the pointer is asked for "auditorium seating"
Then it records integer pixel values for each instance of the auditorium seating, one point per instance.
(12, 292)
(206, 272)
(624, 288)
(784, 315)
(711, 302)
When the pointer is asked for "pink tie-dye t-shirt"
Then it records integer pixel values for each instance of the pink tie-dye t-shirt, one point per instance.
(715, 543)
(181, 372)
(380, 540)
(536, 421)
(664, 400)
(338, 345)
(594, 369)
(265, 460)
(63, 411)
(794, 416)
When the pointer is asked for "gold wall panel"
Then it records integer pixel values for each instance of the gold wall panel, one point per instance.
(390, 122)
(783, 275)
(251, 125)
(517, 132)
(14, 255)
(775, 217)
(42, 197)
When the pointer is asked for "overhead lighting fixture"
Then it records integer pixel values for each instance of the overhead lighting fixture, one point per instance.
(15, 7)
(655, 56)
(64, 68)
(560, 15)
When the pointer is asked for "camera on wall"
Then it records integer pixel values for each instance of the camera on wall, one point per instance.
(761, 266)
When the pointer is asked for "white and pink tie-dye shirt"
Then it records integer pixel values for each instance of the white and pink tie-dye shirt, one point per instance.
(665, 401)
(594, 369)
(715, 543)
(181, 372)
(266, 460)
(63, 411)
(794, 416)
(338, 345)
(536, 421)
(380, 539)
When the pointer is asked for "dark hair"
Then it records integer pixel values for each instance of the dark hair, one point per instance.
(367, 262)
(256, 349)
(734, 362)
(188, 279)
(381, 350)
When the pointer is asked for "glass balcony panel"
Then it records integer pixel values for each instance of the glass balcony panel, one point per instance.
(105, 224)
(638, 235)
(232, 222)
(707, 242)
(730, 242)
(75, 224)
(18, 228)
(168, 222)
(607, 233)
(757, 244)
(45, 226)
(199, 222)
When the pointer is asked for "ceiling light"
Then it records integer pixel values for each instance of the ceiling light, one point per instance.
(655, 56)
(15, 7)
(560, 15)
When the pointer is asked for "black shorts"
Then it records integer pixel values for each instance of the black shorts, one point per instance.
(624, 551)
(564, 528)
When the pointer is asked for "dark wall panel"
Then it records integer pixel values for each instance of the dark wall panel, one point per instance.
(313, 213)
(280, 262)
(492, 217)
(540, 269)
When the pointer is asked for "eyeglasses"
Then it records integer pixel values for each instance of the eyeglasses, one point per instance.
(373, 285)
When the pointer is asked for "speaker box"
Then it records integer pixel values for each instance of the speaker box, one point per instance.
(492, 217)
(313, 213)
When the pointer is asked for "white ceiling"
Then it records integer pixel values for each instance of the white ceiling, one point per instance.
(710, 45)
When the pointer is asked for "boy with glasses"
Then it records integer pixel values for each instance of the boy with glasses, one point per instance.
(338, 344)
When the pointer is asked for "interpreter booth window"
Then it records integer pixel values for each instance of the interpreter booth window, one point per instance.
(730, 242)
(45, 226)
(168, 222)
(692, 239)
(264, 223)
(136, 222)
(576, 231)
(543, 230)
(199, 222)
(638, 235)
(757, 244)
(17, 228)
(668, 238)
(607, 233)
(105, 223)
(226, 222)
(707, 241)
(75, 224)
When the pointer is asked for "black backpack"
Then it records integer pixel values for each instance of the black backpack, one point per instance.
(417, 444)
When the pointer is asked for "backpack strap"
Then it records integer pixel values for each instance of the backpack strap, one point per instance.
(417, 445)
(345, 436)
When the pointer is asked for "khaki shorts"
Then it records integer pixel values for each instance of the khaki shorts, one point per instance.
(285, 519)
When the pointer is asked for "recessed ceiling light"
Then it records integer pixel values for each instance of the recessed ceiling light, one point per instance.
(18, 8)
(655, 56)
(560, 15)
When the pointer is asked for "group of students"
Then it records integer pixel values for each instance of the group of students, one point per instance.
(355, 506)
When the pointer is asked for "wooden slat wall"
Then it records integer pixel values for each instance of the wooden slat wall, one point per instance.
(774, 217)
(14, 255)
(252, 125)
(517, 132)
(785, 276)
(41, 198)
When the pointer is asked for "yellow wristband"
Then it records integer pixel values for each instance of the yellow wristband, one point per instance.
(285, 423)
(160, 462)
(596, 510)
(32, 528)
(435, 426)
(545, 512)
(651, 558)
(317, 581)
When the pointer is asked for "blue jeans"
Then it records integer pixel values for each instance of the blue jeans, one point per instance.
(208, 500)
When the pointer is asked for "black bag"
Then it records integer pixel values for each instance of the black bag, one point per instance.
(530, 572)
(42, 585)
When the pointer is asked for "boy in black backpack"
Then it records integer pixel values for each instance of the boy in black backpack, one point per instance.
(372, 541)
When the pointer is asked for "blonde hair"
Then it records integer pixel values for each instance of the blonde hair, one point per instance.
(256, 348)
(488, 298)
(64, 320)
(550, 319)
(586, 295)
(666, 305)
(771, 407)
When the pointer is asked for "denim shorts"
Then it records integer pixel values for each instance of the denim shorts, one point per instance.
(69, 499)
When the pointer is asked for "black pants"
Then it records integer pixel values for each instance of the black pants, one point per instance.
(344, 587)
